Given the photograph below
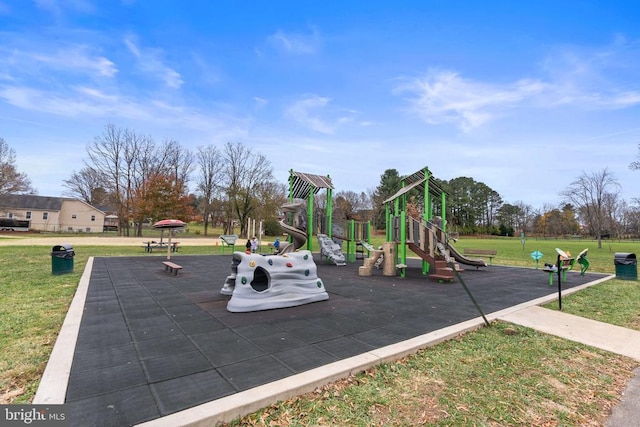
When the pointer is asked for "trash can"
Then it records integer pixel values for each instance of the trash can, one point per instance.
(62, 259)
(626, 266)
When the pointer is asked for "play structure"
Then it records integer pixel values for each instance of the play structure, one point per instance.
(330, 250)
(297, 230)
(566, 263)
(260, 282)
(287, 278)
(425, 236)
(319, 221)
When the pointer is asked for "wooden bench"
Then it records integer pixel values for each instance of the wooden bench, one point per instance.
(172, 267)
(565, 265)
(486, 253)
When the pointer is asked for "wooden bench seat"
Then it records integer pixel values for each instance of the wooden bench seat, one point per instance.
(172, 267)
(485, 253)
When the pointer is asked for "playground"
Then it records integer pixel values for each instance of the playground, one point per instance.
(156, 347)
(151, 345)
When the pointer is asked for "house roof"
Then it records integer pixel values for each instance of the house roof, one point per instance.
(31, 201)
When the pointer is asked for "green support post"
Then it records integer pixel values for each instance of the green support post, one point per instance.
(351, 250)
(427, 213)
(329, 212)
(310, 219)
(403, 242)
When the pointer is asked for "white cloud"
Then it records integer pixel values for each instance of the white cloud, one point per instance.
(42, 60)
(58, 7)
(150, 62)
(318, 114)
(594, 79)
(296, 43)
(443, 96)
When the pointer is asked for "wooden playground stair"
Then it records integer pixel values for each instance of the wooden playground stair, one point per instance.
(441, 270)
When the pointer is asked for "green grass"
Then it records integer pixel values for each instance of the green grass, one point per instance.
(498, 376)
(503, 375)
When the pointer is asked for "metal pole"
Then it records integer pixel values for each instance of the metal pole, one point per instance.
(559, 283)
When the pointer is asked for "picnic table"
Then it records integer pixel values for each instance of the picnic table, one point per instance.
(150, 246)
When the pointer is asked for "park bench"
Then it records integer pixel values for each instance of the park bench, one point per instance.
(565, 265)
(172, 267)
(486, 253)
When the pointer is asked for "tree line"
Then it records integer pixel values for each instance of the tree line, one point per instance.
(143, 180)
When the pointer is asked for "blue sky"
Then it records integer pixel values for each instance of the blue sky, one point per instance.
(523, 96)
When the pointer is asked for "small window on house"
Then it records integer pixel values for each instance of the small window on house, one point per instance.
(45, 215)
(74, 216)
(28, 215)
(93, 217)
(10, 215)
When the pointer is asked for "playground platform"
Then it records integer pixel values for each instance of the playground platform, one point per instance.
(140, 346)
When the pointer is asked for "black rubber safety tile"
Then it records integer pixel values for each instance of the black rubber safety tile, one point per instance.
(190, 390)
(172, 300)
(147, 322)
(254, 372)
(289, 324)
(225, 350)
(277, 342)
(175, 365)
(194, 327)
(156, 332)
(102, 318)
(314, 333)
(143, 312)
(180, 325)
(377, 337)
(106, 357)
(105, 380)
(120, 408)
(344, 347)
(187, 313)
(98, 341)
(305, 358)
(259, 330)
(178, 344)
(103, 307)
(207, 295)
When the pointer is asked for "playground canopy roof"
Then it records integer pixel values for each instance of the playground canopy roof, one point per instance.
(417, 180)
(301, 183)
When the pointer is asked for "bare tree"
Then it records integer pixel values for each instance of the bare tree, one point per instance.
(590, 193)
(128, 160)
(88, 185)
(635, 165)
(209, 161)
(11, 181)
(245, 171)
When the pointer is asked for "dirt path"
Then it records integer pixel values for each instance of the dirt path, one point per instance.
(88, 240)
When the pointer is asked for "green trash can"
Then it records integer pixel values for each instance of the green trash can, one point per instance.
(62, 259)
(626, 266)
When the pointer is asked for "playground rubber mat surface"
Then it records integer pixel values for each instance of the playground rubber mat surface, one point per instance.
(152, 344)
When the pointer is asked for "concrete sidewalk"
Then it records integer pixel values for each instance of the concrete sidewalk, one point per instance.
(601, 335)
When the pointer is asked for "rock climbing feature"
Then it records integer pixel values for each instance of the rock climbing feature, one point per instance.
(269, 282)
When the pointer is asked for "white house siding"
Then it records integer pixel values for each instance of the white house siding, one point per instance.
(78, 216)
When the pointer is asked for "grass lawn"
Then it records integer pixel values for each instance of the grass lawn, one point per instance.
(502, 375)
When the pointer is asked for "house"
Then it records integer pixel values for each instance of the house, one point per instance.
(53, 214)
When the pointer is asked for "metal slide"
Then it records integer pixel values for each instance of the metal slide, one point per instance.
(299, 238)
(475, 262)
